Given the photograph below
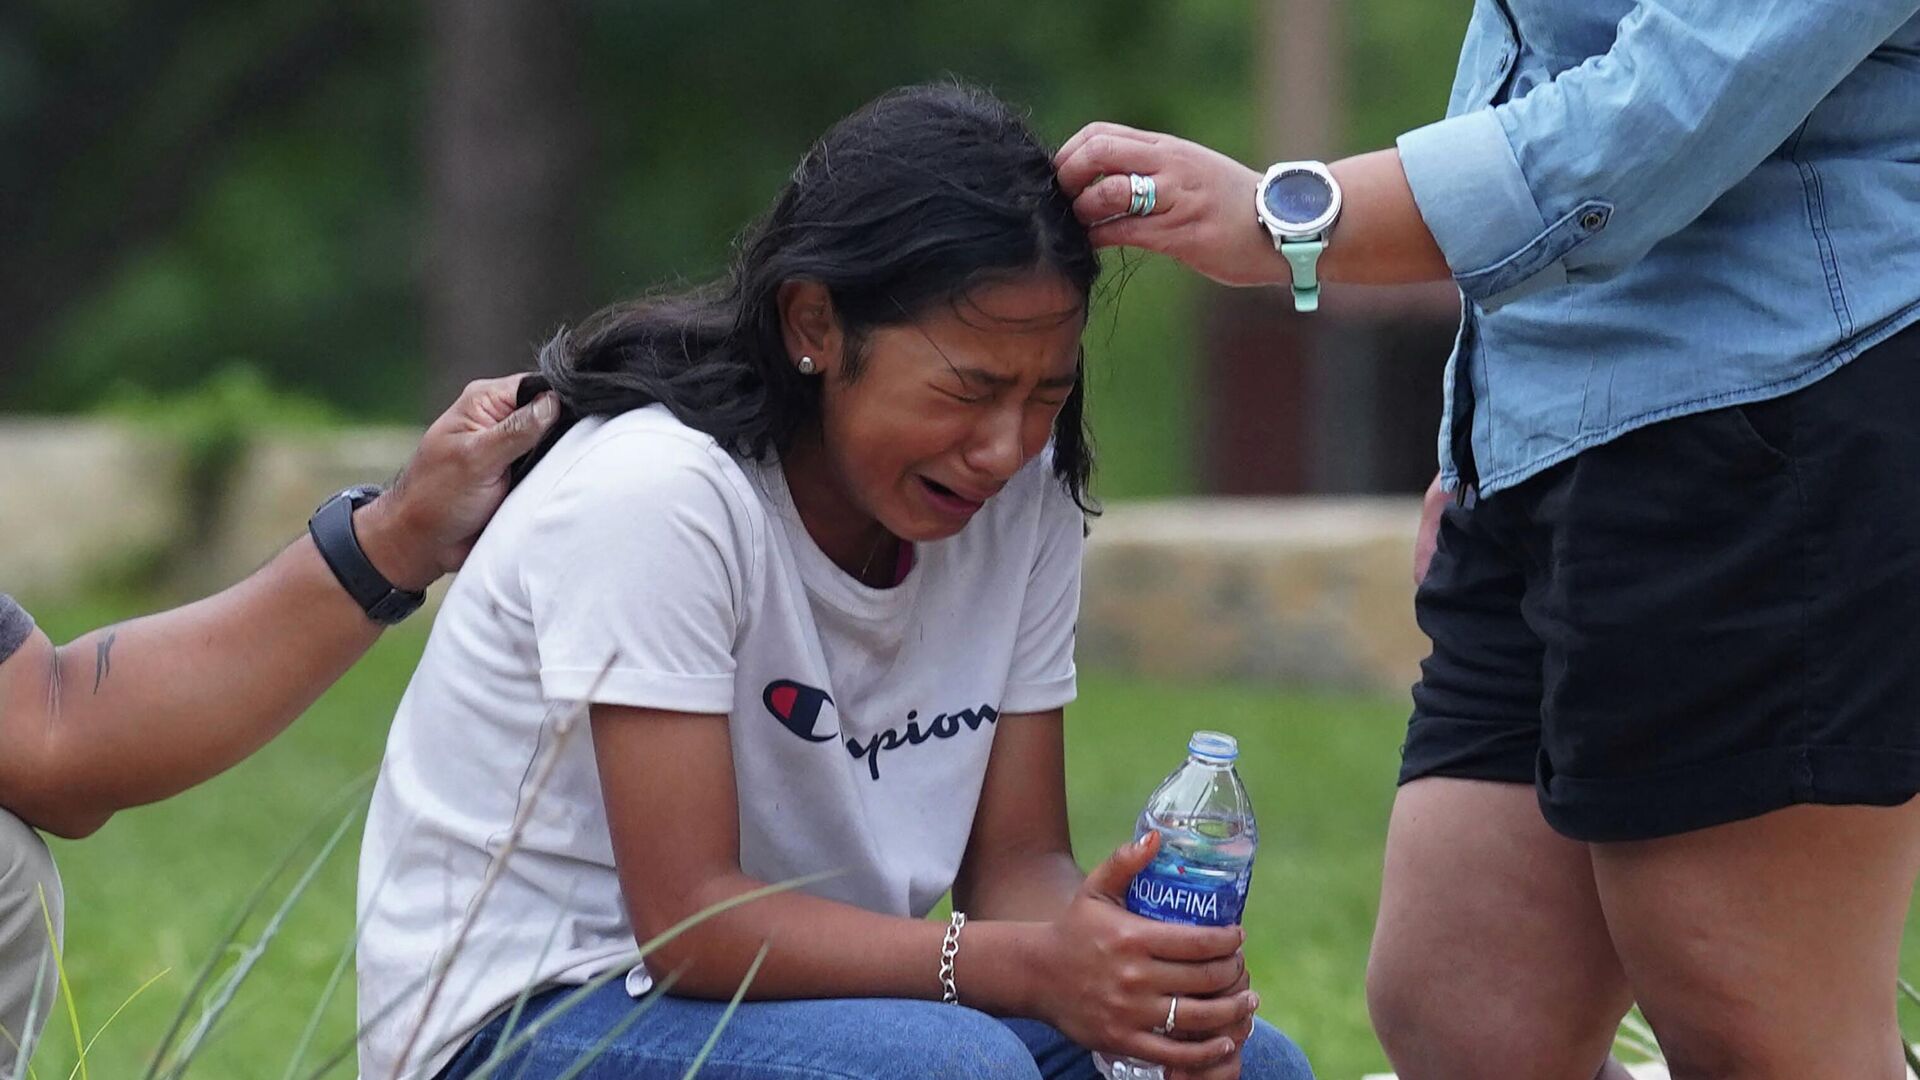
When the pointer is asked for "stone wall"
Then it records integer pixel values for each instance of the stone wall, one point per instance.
(1300, 591)
(79, 498)
(83, 500)
(278, 483)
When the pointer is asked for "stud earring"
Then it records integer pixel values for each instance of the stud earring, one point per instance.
(807, 366)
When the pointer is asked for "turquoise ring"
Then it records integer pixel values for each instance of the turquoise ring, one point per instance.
(1145, 194)
(1134, 182)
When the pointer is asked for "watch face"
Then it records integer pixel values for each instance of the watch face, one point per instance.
(1297, 197)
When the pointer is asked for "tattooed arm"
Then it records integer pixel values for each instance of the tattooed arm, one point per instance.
(136, 712)
(145, 709)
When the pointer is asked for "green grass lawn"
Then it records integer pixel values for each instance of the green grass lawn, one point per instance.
(157, 887)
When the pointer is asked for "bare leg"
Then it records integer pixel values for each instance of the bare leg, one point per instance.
(1767, 949)
(1491, 957)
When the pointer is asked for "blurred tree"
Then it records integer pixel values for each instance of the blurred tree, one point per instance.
(188, 183)
(505, 138)
(325, 190)
(119, 112)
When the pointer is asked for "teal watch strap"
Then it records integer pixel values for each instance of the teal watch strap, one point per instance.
(1304, 257)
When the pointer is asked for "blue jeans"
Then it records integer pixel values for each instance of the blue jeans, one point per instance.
(840, 1039)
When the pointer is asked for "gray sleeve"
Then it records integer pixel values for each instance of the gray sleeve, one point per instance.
(15, 625)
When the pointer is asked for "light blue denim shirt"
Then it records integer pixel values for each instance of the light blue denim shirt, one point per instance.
(1663, 207)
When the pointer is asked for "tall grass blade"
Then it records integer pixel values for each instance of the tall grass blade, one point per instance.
(633, 1017)
(1907, 991)
(312, 1027)
(340, 969)
(163, 1050)
(347, 1047)
(520, 1002)
(1644, 1051)
(713, 1040)
(566, 719)
(1635, 1035)
(23, 1046)
(224, 995)
(66, 988)
(102, 1030)
(540, 1023)
(731, 902)
(580, 994)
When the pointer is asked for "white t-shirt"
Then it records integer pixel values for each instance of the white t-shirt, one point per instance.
(640, 564)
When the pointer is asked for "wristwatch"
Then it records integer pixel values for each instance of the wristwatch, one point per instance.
(1298, 203)
(332, 530)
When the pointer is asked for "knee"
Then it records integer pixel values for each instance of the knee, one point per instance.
(947, 1043)
(1726, 1050)
(27, 874)
(1407, 1016)
(1420, 1039)
(1503, 1030)
(1270, 1055)
(1739, 1040)
(29, 901)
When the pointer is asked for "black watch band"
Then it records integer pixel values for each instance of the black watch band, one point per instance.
(332, 530)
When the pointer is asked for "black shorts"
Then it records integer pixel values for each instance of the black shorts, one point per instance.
(1704, 620)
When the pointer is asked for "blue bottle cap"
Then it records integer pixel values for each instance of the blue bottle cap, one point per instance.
(1214, 746)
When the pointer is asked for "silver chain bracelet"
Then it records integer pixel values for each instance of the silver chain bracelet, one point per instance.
(949, 949)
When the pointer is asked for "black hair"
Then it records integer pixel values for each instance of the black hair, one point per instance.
(918, 197)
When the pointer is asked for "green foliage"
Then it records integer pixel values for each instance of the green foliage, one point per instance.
(296, 240)
(159, 887)
(215, 422)
(1399, 66)
(218, 415)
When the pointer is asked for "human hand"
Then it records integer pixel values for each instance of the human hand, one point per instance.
(1228, 1068)
(1121, 971)
(425, 525)
(1428, 535)
(1203, 212)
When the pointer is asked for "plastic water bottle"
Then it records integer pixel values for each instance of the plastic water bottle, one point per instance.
(1205, 862)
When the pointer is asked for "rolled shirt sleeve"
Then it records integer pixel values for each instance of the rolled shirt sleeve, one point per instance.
(1043, 676)
(1580, 178)
(636, 570)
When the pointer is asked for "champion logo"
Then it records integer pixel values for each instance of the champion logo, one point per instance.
(944, 726)
(798, 707)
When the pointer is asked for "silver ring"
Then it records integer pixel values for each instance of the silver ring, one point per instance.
(1172, 1008)
(1145, 194)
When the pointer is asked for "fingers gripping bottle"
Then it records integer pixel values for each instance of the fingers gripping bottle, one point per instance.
(1205, 862)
